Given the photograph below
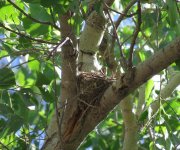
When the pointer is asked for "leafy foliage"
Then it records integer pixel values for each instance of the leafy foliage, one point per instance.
(29, 78)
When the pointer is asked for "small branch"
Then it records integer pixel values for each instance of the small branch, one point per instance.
(137, 30)
(22, 63)
(88, 105)
(123, 62)
(165, 93)
(5, 147)
(26, 36)
(109, 2)
(53, 19)
(121, 17)
(172, 84)
(57, 46)
(30, 17)
(121, 13)
(178, 10)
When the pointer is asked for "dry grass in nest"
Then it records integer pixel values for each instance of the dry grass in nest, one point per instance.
(91, 88)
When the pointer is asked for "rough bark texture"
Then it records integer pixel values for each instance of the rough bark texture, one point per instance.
(116, 92)
(81, 116)
(68, 88)
(119, 90)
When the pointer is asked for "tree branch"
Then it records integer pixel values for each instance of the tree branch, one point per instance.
(122, 59)
(30, 17)
(138, 27)
(26, 36)
(130, 124)
(68, 86)
(120, 13)
(121, 17)
(119, 89)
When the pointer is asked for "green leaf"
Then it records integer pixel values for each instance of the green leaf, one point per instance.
(35, 29)
(13, 125)
(42, 80)
(149, 19)
(149, 87)
(40, 13)
(6, 16)
(2, 3)
(19, 105)
(47, 96)
(32, 1)
(5, 109)
(142, 55)
(26, 78)
(143, 116)
(7, 78)
(151, 146)
(177, 64)
(3, 53)
(5, 97)
(47, 3)
(34, 65)
(7, 47)
(173, 15)
(24, 42)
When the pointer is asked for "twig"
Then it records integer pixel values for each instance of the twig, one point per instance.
(58, 45)
(22, 63)
(4, 146)
(26, 36)
(53, 19)
(88, 105)
(9, 63)
(177, 7)
(137, 30)
(30, 17)
(109, 2)
(123, 59)
(121, 17)
(121, 13)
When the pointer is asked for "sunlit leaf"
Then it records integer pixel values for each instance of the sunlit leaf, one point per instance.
(26, 78)
(149, 87)
(40, 13)
(35, 29)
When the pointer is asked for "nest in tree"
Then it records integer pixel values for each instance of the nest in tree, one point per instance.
(91, 88)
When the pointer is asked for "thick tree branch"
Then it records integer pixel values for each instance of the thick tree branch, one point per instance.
(130, 124)
(120, 89)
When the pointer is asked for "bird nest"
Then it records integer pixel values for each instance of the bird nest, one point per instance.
(91, 88)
